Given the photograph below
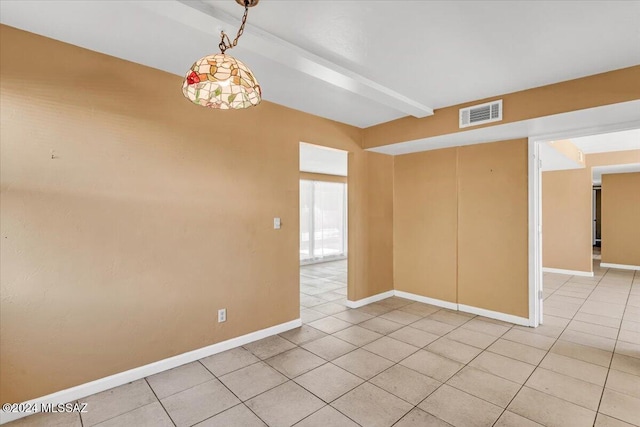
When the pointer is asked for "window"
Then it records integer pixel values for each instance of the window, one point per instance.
(323, 220)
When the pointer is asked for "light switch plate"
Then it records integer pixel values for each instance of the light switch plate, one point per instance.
(276, 223)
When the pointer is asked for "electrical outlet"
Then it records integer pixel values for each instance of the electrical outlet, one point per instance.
(222, 315)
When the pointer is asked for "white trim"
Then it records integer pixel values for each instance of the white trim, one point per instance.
(594, 213)
(535, 234)
(570, 272)
(373, 298)
(427, 300)
(495, 315)
(620, 266)
(466, 308)
(588, 131)
(106, 383)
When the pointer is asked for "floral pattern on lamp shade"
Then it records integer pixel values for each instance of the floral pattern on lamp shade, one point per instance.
(221, 81)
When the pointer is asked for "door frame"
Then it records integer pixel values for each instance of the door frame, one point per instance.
(594, 215)
(536, 296)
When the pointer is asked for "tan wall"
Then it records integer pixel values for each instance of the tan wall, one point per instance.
(613, 158)
(129, 216)
(620, 218)
(425, 224)
(493, 227)
(566, 219)
(587, 92)
(460, 225)
(379, 230)
(567, 212)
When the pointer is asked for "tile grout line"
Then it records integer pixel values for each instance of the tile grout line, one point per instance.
(465, 365)
(547, 353)
(398, 363)
(613, 355)
(231, 391)
(454, 374)
(459, 370)
(159, 401)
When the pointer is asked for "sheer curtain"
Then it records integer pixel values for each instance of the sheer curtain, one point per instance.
(323, 220)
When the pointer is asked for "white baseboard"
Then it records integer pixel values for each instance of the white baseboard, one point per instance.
(106, 383)
(570, 272)
(427, 300)
(373, 298)
(620, 266)
(494, 315)
(465, 308)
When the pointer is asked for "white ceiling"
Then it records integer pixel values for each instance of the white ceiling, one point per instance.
(606, 142)
(317, 159)
(359, 62)
(598, 171)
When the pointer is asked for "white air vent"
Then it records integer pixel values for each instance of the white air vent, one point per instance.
(480, 114)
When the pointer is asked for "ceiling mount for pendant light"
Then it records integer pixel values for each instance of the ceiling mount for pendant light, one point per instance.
(220, 81)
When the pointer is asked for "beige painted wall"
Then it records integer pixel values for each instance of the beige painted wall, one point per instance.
(567, 212)
(379, 268)
(460, 225)
(425, 224)
(493, 227)
(613, 158)
(129, 216)
(621, 218)
(566, 219)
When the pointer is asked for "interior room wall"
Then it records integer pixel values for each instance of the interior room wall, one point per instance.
(460, 225)
(566, 220)
(620, 219)
(425, 224)
(129, 216)
(493, 251)
(379, 226)
(567, 212)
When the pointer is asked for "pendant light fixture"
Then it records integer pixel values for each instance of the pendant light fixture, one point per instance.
(220, 81)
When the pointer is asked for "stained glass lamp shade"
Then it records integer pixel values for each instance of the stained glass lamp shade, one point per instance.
(221, 81)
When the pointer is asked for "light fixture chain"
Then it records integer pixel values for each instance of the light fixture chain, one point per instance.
(226, 43)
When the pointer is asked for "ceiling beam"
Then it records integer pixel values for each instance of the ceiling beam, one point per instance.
(210, 20)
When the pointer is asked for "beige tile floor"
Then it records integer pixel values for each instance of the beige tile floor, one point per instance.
(402, 363)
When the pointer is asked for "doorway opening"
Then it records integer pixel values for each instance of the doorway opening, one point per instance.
(323, 232)
(573, 217)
